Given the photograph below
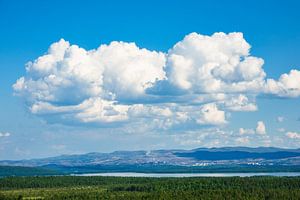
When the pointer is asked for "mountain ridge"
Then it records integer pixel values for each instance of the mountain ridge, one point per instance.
(176, 157)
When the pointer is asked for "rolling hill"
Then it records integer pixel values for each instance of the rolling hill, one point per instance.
(227, 159)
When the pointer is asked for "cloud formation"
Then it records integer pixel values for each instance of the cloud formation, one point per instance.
(260, 129)
(195, 83)
(210, 114)
(4, 134)
(288, 85)
(214, 64)
(293, 135)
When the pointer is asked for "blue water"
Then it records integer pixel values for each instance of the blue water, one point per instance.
(158, 175)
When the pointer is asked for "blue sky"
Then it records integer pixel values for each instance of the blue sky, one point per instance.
(151, 98)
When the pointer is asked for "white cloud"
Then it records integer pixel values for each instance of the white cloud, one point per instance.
(67, 74)
(280, 119)
(216, 63)
(196, 81)
(260, 128)
(128, 70)
(215, 137)
(209, 137)
(140, 110)
(165, 116)
(242, 140)
(222, 63)
(243, 131)
(288, 85)
(90, 110)
(4, 134)
(240, 103)
(293, 135)
(85, 85)
(210, 114)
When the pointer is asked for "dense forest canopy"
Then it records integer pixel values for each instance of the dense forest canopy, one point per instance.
(72, 187)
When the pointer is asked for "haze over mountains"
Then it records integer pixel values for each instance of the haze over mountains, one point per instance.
(228, 158)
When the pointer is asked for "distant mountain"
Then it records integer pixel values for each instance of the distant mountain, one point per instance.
(201, 159)
(237, 155)
(248, 149)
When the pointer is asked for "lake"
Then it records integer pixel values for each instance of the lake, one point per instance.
(158, 175)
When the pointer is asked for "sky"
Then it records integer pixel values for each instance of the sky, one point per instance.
(100, 76)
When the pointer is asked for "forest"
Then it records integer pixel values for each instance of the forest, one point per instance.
(76, 187)
(26, 171)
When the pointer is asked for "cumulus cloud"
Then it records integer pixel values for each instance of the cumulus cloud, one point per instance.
(196, 81)
(129, 70)
(115, 71)
(90, 110)
(260, 129)
(240, 103)
(243, 131)
(177, 116)
(210, 114)
(212, 64)
(222, 63)
(242, 140)
(293, 135)
(86, 85)
(215, 137)
(288, 85)
(209, 137)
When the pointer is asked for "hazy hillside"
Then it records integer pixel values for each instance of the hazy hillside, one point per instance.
(197, 160)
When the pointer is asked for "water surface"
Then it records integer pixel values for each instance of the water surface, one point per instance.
(158, 175)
